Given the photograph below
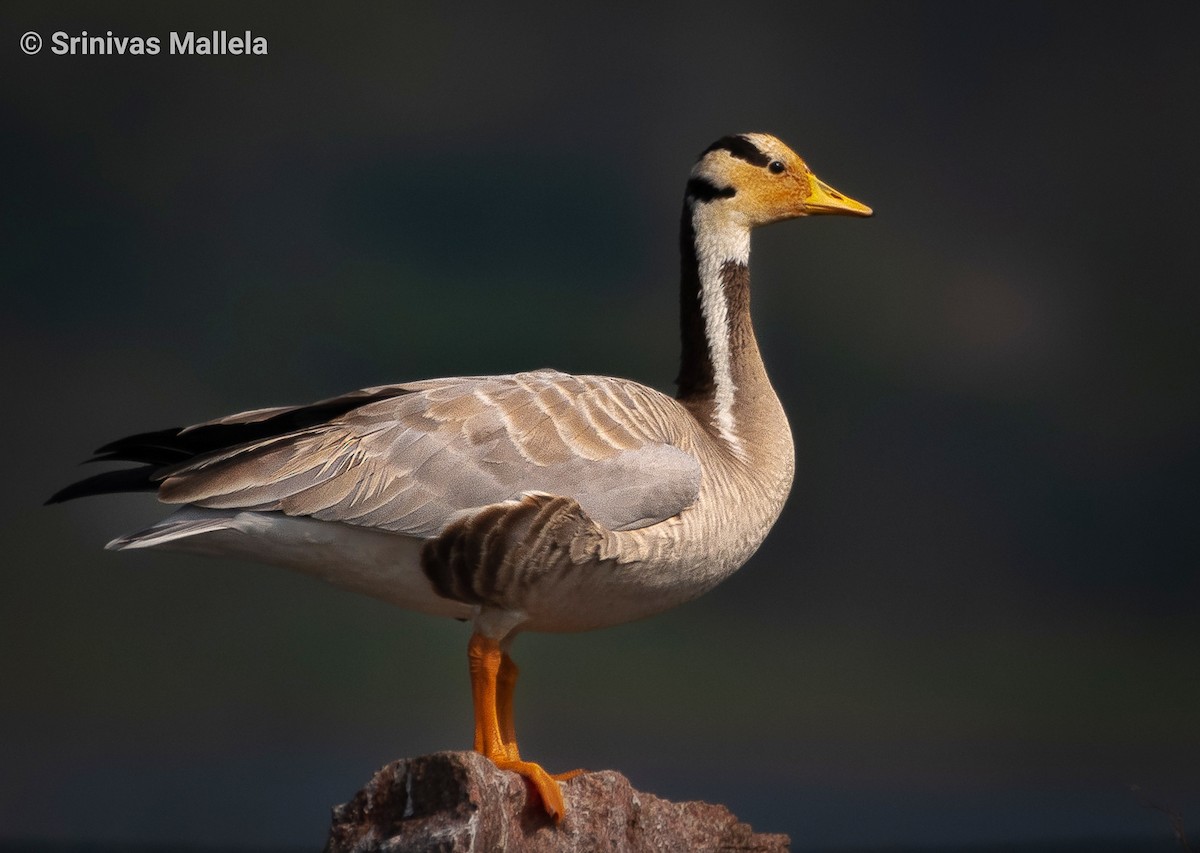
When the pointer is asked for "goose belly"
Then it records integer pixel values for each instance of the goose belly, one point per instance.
(371, 562)
(634, 574)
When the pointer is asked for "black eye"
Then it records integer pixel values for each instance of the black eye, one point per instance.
(775, 167)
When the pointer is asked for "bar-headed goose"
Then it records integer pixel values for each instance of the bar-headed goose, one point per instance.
(533, 502)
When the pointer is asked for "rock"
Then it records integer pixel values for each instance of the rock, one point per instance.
(456, 802)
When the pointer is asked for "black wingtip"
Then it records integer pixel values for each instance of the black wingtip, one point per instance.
(162, 448)
(108, 482)
(132, 447)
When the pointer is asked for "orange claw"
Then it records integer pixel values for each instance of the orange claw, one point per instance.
(493, 679)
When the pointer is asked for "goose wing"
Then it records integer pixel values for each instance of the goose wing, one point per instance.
(413, 458)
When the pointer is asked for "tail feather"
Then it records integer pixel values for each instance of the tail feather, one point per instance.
(181, 525)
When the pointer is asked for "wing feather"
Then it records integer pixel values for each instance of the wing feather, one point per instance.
(414, 459)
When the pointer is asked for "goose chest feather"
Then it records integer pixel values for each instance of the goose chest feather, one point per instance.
(536, 501)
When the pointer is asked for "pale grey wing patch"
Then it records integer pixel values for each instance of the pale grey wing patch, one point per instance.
(411, 463)
(637, 488)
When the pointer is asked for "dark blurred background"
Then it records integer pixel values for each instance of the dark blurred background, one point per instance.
(975, 622)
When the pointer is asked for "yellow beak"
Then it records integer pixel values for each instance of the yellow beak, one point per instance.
(825, 199)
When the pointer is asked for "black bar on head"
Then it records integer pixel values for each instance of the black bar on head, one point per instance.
(740, 147)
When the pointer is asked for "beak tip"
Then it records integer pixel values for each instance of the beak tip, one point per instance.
(825, 199)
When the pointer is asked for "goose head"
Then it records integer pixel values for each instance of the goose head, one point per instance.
(754, 179)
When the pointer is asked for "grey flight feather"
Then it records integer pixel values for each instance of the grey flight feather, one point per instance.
(428, 452)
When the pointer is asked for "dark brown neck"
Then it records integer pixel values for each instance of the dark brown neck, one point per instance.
(696, 379)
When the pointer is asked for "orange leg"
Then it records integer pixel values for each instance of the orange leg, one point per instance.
(493, 677)
(506, 683)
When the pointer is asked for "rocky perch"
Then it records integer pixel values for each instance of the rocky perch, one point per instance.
(456, 802)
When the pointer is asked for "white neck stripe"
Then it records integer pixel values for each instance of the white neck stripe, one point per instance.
(719, 241)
